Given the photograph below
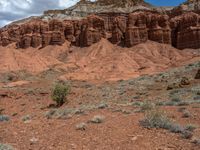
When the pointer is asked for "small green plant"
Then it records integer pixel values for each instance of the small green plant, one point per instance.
(59, 93)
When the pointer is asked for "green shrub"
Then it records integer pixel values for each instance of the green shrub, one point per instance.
(156, 119)
(59, 93)
(146, 106)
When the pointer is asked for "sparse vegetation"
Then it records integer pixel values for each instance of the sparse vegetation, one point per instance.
(156, 119)
(5, 147)
(4, 118)
(60, 113)
(102, 106)
(59, 93)
(186, 134)
(190, 127)
(97, 119)
(82, 126)
(146, 106)
(186, 114)
(196, 141)
(181, 109)
(26, 118)
(176, 128)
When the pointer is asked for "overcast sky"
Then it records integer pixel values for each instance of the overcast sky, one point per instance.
(11, 10)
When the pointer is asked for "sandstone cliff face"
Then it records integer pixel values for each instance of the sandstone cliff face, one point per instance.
(186, 31)
(36, 33)
(123, 29)
(147, 26)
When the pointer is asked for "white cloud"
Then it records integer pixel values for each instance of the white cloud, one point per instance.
(11, 10)
(67, 3)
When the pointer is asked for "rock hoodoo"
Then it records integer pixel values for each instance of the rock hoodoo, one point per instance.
(105, 20)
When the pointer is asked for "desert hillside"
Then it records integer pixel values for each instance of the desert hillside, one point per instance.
(102, 75)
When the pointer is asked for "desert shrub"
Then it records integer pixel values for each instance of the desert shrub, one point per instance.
(4, 118)
(59, 93)
(156, 119)
(176, 128)
(97, 119)
(5, 147)
(146, 106)
(81, 126)
(64, 113)
(183, 103)
(187, 134)
(10, 77)
(176, 99)
(26, 118)
(190, 127)
(186, 114)
(196, 141)
(170, 103)
(102, 106)
(181, 109)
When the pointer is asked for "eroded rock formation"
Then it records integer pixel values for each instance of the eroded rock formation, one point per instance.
(123, 29)
(186, 31)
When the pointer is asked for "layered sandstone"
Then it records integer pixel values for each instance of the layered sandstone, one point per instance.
(109, 20)
(186, 31)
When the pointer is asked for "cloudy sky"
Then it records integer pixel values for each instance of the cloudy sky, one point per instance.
(11, 10)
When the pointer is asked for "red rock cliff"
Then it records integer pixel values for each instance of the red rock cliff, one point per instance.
(120, 28)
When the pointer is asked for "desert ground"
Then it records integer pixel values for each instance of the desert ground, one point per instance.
(109, 101)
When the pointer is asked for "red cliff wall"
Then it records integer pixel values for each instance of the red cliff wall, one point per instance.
(124, 29)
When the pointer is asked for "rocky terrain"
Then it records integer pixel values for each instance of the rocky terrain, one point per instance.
(133, 71)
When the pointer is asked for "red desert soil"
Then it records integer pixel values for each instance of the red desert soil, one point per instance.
(119, 131)
(99, 62)
(102, 61)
